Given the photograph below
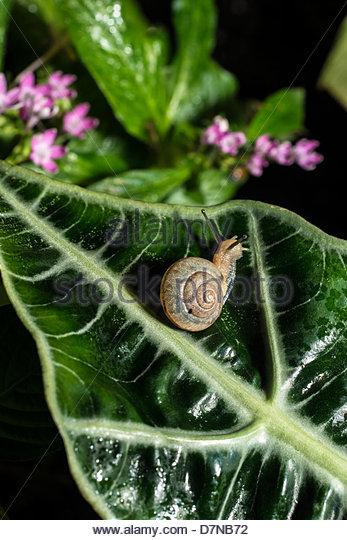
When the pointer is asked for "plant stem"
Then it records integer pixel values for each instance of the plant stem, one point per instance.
(59, 44)
(211, 158)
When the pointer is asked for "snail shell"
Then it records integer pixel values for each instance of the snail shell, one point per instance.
(193, 290)
(191, 293)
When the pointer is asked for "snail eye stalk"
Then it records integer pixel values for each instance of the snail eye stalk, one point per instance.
(241, 239)
(217, 237)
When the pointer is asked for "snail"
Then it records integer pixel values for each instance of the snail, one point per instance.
(193, 290)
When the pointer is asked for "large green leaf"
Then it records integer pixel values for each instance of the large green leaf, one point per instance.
(244, 420)
(26, 427)
(213, 86)
(282, 113)
(124, 58)
(211, 186)
(151, 185)
(195, 28)
(98, 156)
(5, 6)
(216, 186)
(334, 74)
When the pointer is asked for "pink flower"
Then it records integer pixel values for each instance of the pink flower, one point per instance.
(218, 134)
(256, 164)
(59, 85)
(36, 102)
(214, 133)
(9, 99)
(231, 142)
(77, 123)
(28, 90)
(44, 152)
(42, 108)
(282, 153)
(263, 145)
(305, 156)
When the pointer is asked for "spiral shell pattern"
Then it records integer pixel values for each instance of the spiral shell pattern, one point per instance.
(192, 292)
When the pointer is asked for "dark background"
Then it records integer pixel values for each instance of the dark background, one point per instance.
(265, 44)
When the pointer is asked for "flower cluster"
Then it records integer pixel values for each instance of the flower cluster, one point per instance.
(37, 103)
(218, 134)
(263, 151)
(284, 153)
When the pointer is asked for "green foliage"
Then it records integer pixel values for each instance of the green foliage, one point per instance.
(216, 186)
(211, 186)
(156, 91)
(97, 156)
(129, 62)
(251, 408)
(281, 114)
(334, 74)
(148, 185)
(5, 6)
(213, 86)
(195, 29)
(111, 38)
(48, 10)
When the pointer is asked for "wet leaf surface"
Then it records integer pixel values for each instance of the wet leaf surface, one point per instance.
(246, 419)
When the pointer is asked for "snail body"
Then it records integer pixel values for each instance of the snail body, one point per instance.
(193, 290)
